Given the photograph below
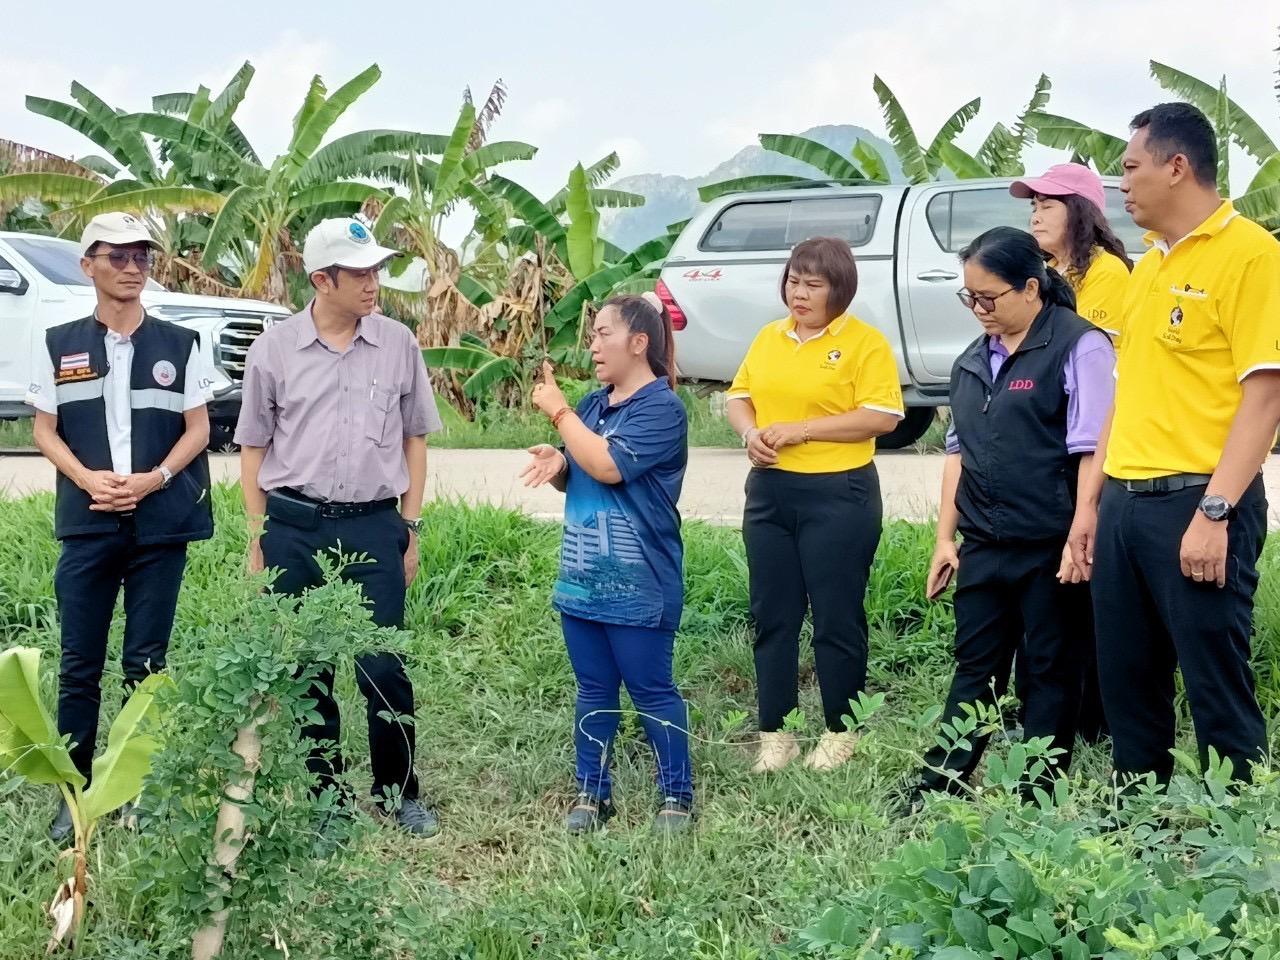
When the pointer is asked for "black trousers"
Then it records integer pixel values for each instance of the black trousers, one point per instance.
(810, 539)
(1151, 619)
(1092, 724)
(90, 572)
(1007, 595)
(381, 676)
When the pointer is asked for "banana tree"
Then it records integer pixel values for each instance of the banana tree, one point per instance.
(31, 748)
(252, 239)
(1087, 145)
(130, 178)
(29, 213)
(1000, 154)
(1261, 199)
(920, 164)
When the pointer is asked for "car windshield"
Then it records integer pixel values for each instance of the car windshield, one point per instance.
(58, 260)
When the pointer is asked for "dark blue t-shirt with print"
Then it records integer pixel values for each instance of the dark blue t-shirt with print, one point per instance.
(622, 559)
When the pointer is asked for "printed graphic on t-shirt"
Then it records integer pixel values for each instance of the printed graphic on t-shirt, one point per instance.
(603, 567)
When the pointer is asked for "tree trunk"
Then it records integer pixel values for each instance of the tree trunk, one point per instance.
(229, 835)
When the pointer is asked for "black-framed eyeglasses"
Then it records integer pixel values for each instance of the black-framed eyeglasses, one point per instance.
(144, 260)
(971, 299)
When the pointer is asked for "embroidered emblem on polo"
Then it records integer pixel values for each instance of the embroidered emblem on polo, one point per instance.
(1175, 317)
(833, 356)
(164, 373)
(358, 233)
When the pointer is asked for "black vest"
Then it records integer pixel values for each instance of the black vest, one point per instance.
(1018, 480)
(78, 351)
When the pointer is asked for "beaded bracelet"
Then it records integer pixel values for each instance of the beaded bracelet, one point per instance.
(806, 431)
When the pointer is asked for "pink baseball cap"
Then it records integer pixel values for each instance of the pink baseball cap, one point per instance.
(1063, 180)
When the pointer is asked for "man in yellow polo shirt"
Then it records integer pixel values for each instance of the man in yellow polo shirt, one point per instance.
(1183, 512)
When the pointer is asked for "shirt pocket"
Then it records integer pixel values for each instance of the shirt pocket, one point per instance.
(382, 416)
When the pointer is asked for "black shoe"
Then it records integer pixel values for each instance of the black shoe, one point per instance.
(63, 826)
(673, 817)
(588, 814)
(911, 805)
(418, 819)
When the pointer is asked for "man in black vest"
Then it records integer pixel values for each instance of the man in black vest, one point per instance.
(120, 412)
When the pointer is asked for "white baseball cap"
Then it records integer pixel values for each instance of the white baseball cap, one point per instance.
(116, 229)
(342, 242)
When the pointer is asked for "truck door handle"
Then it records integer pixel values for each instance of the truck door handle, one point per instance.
(936, 276)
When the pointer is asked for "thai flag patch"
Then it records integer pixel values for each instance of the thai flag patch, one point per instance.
(74, 361)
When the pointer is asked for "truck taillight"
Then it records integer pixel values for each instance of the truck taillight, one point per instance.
(678, 320)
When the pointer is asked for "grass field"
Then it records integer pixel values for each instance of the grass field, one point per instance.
(495, 695)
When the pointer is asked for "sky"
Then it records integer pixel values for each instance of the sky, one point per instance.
(674, 87)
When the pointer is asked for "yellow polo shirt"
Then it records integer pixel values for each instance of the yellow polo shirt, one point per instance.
(1199, 317)
(846, 367)
(1100, 292)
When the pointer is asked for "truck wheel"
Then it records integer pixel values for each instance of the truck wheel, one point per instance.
(221, 436)
(910, 429)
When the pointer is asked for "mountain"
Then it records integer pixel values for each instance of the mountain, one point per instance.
(670, 199)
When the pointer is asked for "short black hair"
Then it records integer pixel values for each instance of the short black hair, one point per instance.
(93, 248)
(1174, 128)
(330, 272)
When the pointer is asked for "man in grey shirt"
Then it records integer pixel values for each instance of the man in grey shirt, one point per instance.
(336, 408)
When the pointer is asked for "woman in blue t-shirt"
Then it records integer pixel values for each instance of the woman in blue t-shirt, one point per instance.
(621, 586)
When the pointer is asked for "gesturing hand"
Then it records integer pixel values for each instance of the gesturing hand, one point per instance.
(547, 395)
(547, 464)
(758, 452)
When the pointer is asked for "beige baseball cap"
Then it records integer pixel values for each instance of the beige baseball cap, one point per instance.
(116, 229)
(343, 242)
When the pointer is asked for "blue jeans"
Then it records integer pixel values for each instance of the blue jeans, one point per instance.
(604, 656)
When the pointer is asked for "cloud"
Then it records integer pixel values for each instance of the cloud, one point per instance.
(545, 117)
(633, 153)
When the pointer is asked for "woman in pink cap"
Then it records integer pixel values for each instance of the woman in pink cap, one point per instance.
(1069, 222)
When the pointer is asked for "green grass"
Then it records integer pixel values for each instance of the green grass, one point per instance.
(495, 704)
(15, 433)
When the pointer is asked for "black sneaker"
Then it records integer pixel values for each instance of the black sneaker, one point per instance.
(588, 814)
(63, 827)
(673, 817)
(416, 818)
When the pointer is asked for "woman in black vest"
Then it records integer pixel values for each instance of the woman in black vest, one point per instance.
(1028, 399)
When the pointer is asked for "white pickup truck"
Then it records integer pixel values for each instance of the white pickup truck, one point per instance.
(42, 285)
(720, 281)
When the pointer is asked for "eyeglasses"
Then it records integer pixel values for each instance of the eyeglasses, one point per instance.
(971, 299)
(144, 260)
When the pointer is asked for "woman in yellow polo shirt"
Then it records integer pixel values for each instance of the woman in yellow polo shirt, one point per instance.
(813, 393)
(1068, 220)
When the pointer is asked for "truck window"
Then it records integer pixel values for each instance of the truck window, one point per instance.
(959, 216)
(57, 260)
(781, 224)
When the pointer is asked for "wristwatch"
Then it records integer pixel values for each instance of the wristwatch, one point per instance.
(166, 474)
(1217, 509)
(414, 525)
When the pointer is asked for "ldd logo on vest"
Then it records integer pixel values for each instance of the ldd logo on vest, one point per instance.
(164, 373)
(1022, 384)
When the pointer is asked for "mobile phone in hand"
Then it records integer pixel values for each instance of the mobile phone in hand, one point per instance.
(944, 581)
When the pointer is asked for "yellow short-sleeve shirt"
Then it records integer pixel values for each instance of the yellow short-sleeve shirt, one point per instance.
(1100, 292)
(846, 367)
(1199, 317)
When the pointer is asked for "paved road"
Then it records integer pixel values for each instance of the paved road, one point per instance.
(712, 488)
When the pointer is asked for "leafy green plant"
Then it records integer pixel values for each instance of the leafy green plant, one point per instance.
(31, 748)
(230, 795)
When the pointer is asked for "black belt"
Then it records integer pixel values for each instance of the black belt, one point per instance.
(1170, 484)
(339, 511)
